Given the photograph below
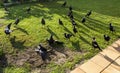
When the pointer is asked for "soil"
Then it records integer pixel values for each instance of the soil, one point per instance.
(29, 56)
(1, 25)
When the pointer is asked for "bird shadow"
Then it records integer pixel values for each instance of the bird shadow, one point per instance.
(17, 44)
(97, 25)
(83, 39)
(76, 45)
(117, 48)
(66, 29)
(110, 60)
(21, 29)
(52, 33)
(83, 32)
(55, 47)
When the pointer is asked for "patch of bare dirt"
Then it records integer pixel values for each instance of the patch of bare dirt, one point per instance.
(56, 55)
(27, 56)
(1, 25)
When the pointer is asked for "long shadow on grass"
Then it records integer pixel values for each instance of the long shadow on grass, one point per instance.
(91, 27)
(59, 48)
(67, 30)
(17, 44)
(3, 63)
(98, 23)
(76, 45)
(85, 33)
(99, 26)
(52, 33)
(85, 40)
(22, 30)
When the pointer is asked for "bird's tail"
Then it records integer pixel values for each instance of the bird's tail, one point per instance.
(99, 48)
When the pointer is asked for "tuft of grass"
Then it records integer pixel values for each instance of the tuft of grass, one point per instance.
(15, 70)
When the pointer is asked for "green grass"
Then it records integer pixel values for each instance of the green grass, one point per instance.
(15, 70)
(33, 32)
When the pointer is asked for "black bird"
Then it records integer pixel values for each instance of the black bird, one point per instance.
(83, 20)
(73, 22)
(9, 25)
(43, 21)
(74, 29)
(89, 13)
(70, 8)
(60, 22)
(51, 40)
(42, 51)
(7, 29)
(111, 27)
(28, 10)
(17, 21)
(95, 44)
(67, 35)
(107, 38)
(71, 17)
(70, 13)
(64, 4)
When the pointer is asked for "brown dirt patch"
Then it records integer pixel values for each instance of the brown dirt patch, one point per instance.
(1, 25)
(56, 55)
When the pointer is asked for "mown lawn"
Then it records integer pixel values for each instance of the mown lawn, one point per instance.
(32, 32)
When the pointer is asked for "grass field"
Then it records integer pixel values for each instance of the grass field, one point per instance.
(32, 32)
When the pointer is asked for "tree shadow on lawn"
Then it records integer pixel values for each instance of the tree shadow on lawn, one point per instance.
(17, 44)
(3, 63)
(52, 8)
(107, 9)
(45, 10)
